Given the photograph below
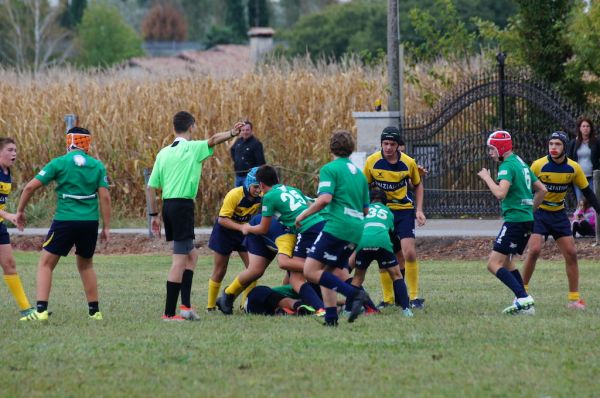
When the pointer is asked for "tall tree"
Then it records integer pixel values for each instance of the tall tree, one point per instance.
(33, 38)
(258, 13)
(235, 19)
(104, 37)
(73, 12)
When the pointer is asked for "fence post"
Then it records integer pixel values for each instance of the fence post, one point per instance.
(147, 172)
(500, 57)
(596, 179)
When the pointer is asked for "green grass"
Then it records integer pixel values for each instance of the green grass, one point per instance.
(459, 346)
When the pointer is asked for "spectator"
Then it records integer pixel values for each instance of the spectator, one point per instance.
(585, 150)
(584, 219)
(247, 152)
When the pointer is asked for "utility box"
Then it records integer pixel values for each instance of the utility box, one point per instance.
(261, 43)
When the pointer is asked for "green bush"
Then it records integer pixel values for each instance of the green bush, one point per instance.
(104, 37)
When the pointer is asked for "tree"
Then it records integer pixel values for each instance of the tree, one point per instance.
(584, 36)
(104, 37)
(164, 22)
(341, 28)
(236, 21)
(258, 13)
(444, 34)
(73, 12)
(31, 36)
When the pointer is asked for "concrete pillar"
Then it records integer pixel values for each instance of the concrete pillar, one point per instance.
(261, 43)
(369, 126)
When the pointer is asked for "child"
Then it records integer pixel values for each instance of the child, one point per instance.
(584, 219)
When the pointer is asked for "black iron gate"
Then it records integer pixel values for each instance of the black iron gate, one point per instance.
(450, 139)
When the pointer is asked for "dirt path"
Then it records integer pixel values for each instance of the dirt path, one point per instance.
(427, 248)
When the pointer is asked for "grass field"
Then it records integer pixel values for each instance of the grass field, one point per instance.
(459, 346)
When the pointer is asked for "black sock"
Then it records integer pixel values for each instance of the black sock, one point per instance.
(186, 287)
(93, 307)
(173, 289)
(41, 306)
(517, 276)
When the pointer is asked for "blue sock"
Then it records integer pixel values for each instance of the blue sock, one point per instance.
(517, 276)
(400, 293)
(331, 314)
(511, 282)
(310, 297)
(332, 282)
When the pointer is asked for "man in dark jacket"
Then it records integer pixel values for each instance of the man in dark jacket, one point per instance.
(247, 152)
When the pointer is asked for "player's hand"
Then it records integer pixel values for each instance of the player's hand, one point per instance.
(246, 229)
(104, 235)
(237, 128)
(299, 220)
(20, 221)
(484, 174)
(155, 224)
(421, 219)
(422, 170)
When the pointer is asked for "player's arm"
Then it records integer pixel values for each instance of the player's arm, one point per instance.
(322, 201)
(28, 191)
(153, 210)
(104, 196)
(230, 224)
(259, 229)
(419, 215)
(540, 191)
(218, 138)
(498, 190)
(8, 216)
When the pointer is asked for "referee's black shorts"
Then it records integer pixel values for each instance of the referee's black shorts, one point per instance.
(178, 217)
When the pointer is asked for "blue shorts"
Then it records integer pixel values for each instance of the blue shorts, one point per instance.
(404, 223)
(331, 251)
(4, 236)
(555, 223)
(224, 240)
(513, 237)
(262, 300)
(367, 255)
(306, 239)
(64, 234)
(255, 244)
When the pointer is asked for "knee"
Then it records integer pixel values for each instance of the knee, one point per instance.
(9, 267)
(410, 255)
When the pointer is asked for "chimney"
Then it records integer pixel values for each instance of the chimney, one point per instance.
(261, 43)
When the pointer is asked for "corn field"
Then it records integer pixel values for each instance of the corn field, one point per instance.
(294, 107)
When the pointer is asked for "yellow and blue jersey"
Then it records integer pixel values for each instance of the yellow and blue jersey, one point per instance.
(393, 178)
(557, 177)
(5, 188)
(238, 206)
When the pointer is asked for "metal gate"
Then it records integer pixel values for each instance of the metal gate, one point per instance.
(450, 139)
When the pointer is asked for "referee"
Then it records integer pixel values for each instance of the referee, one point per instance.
(177, 172)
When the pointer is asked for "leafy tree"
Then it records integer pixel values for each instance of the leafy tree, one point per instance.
(104, 37)
(444, 34)
(164, 22)
(341, 28)
(73, 13)
(236, 21)
(584, 36)
(258, 13)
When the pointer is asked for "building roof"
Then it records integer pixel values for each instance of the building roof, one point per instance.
(219, 61)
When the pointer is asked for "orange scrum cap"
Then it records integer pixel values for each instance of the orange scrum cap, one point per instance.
(78, 138)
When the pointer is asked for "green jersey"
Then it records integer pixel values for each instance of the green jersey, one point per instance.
(378, 225)
(517, 206)
(348, 186)
(285, 203)
(178, 168)
(78, 177)
(287, 291)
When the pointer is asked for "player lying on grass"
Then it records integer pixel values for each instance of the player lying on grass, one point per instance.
(278, 243)
(281, 300)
